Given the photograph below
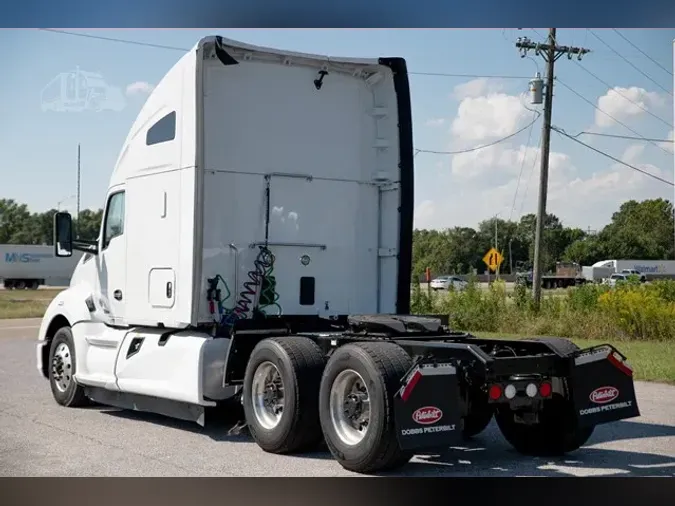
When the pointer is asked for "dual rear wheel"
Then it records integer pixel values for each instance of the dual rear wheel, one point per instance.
(294, 399)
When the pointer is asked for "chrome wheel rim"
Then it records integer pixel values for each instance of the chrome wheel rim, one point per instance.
(267, 394)
(350, 407)
(62, 367)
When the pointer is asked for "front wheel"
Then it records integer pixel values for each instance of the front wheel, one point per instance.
(62, 365)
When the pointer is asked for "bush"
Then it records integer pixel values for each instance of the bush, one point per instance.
(629, 311)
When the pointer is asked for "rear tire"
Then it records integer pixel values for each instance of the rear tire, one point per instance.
(556, 433)
(479, 417)
(62, 366)
(373, 369)
(288, 422)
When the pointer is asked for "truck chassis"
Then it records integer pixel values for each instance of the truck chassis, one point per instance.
(379, 388)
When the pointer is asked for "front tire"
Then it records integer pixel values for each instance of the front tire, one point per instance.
(281, 394)
(62, 363)
(356, 406)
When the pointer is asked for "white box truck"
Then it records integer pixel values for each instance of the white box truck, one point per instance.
(255, 251)
(30, 266)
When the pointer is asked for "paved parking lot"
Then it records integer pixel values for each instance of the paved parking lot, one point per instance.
(40, 438)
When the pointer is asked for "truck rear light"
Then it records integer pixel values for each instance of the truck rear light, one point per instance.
(495, 392)
(545, 389)
(510, 391)
(531, 390)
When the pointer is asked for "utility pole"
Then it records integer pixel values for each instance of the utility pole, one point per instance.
(550, 51)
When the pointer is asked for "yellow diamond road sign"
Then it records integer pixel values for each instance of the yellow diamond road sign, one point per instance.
(493, 259)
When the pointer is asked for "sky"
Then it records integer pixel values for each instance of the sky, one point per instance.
(631, 84)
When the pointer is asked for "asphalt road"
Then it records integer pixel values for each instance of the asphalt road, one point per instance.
(40, 438)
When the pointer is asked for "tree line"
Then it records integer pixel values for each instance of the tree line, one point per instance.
(20, 226)
(640, 230)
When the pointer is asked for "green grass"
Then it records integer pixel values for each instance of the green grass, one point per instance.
(25, 303)
(651, 360)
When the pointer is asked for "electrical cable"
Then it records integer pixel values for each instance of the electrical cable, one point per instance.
(629, 62)
(522, 166)
(649, 57)
(484, 145)
(616, 136)
(529, 179)
(610, 116)
(562, 132)
(613, 88)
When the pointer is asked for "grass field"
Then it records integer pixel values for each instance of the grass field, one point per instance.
(25, 303)
(651, 360)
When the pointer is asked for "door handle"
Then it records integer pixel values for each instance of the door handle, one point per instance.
(117, 294)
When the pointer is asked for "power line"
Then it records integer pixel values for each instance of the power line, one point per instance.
(113, 39)
(623, 137)
(623, 96)
(641, 51)
(522, 166)
(529, 178)
(174, 48)
(483, 145)
(629, 62)
(562, 132)
(472, 76)
(610, 116)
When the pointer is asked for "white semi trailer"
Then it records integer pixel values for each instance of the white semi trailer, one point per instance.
(29, 266)
(256, 247)
(650, 269)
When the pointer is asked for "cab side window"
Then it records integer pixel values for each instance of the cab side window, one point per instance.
(114, 218)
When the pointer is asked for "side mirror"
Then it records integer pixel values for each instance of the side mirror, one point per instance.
(63, 235)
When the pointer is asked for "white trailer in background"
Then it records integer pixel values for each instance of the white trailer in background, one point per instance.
(651, 269)
(29, 266)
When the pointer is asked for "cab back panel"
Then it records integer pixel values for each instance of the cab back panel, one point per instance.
(318, 150)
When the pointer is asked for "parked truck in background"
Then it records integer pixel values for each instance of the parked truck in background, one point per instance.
(256, 251)
(30, 266)
(566, 274)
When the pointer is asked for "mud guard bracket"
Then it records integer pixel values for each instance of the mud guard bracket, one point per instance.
(427, 408)
(602, 386)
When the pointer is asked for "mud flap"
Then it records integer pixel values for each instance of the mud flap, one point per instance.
(602, 387)
(427, 408)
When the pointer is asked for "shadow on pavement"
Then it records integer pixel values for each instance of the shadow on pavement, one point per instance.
(486, 455)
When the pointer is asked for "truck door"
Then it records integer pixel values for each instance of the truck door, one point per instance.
(112, 259)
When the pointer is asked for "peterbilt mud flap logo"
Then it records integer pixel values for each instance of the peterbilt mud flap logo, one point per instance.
(603, 395)
(427, 415)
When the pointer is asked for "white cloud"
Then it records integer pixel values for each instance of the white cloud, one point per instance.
(624, 104)
(139, 88)
(435, 122)
(477, 88)
(489, 117)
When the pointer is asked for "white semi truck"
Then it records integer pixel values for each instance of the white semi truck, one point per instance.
(255, 252)
(29, 266)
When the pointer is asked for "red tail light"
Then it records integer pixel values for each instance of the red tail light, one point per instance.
(545, 389)
(495, 392)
